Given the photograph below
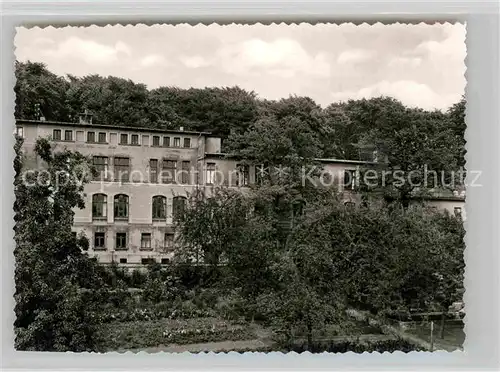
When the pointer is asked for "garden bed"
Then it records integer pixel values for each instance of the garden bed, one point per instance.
(154, 333)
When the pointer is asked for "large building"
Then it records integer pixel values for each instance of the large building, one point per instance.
(145, 176)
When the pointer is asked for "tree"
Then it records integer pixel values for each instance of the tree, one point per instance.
(54, 312)
(40, 93)
(417, 151)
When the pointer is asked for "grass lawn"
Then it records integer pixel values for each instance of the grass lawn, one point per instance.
(454, 335)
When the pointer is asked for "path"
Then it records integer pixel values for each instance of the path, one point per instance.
(245, 345)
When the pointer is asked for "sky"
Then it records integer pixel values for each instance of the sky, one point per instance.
(421, 65)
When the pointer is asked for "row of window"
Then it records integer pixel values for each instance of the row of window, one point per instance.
(121, 242)
(167, 169)
(147, 261)
(125, 139)
(121, 207)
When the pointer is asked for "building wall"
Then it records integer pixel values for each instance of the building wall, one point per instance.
(140, 190)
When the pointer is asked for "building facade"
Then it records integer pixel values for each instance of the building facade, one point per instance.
(144, 178)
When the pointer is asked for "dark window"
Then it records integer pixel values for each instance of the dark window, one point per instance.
(101, 167)
(99, 240)
(168, 242)
(99, 206)
(68, 135)
(350, 179)
(147, 261)
(177, 142)
(153, 171)
(123, 139)
(121, 206)
(123, 260)
(122, 169)
(187, 142)
(458, 212)
(90, 136)
(243, 175)
(135, 139)
(210, 173)
(74, 234)
(159, 207)
(165, 261)
(166, 141)
(56, 134)
(168, 171)
(102, 137)
(178, 207)
(146, 241)
(121, 240)
(185, 172)
(156, 140)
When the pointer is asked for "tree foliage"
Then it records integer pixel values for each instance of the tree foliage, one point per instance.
(54, 312)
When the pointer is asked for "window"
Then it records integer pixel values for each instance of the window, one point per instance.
(159, 207)
(68, 135)
(90, 136)
(148, 261)
(146, 241)
(122, 169)
(165, 261)
(166, 141)
(99, 240)
(210, 173)
(458, 212)
(121, 241)
(350, 181)
(179, 206)
(121, 206)
(99, 206)
(135, 139)
(20, 131)
(168, 172)
(123, 260)
(123, 139)
(56, 134)
(102, 137)
(156, 140)
(168, 242)
(185, 172)
(101, 167)
(243, 175)
(187, 142)
(177, 142)
(153, 171)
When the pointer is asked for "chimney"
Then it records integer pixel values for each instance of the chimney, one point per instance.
(181, 129)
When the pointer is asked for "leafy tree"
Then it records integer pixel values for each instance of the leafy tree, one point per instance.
(40, 93)
(418, 151)
(54, 312)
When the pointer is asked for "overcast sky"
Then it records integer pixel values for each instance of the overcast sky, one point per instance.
(421, 65)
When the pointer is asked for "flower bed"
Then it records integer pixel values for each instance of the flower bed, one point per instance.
(142, 334)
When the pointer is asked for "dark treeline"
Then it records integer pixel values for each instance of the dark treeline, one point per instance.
(341, 127)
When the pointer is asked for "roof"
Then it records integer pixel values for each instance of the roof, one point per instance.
(322, 160)
(108, 126)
